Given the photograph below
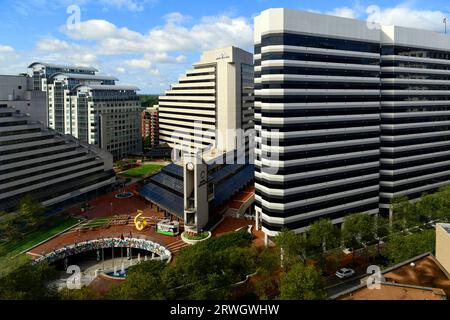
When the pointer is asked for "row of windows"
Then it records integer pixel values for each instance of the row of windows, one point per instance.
(415, 65)
(318, 98)
(415, 52)
(19, 132)
(424, 118)
(419, 76)
(414, 130)
(324, 205)
(52, 169)
(326, 151)
(401, 143)
(36, 147)
(317, 193)
(413, 86)
(58, 189)
(326, 177)
(24, 140)
(412, 185)
(4, 190)
(37, 155)
(408, 164)
(212, 120)
(327, 71)
(319, 57)
(417, 173)
(401, 109)
(305, 112)
(289, 39)
(325, 138)
(304, 222)
(324, 124)
(13, 123)
(416, 152)
(348, 85)
(41, 163)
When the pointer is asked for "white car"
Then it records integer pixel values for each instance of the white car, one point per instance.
(345, 273)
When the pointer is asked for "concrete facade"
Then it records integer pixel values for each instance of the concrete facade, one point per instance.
(348, 115)
(210, 101)
(90, 106)
(38, 161)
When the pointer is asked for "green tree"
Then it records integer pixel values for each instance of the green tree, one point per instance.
(28, 282)
(381, 226)
(322, 233)
(144, 282)
(302, 283)
(428, 208)
(404, 213)
(31, 211)
(207, 269)
(291, 247)
(358, 229)
(268, 264)
(401, 247)
(9, 229)
(85, 293)
(443, 195)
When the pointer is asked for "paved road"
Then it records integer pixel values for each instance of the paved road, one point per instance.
(336, 285)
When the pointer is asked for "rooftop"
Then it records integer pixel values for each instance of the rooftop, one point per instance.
(53, 65)
(419, 278)
(84, 76)
(445, 226)
(389, 291)
(106, 87)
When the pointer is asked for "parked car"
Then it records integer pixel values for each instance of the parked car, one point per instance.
(345, 273)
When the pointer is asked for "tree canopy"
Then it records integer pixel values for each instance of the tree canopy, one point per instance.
(302, 283)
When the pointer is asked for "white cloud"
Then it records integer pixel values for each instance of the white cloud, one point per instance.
(138, 63)
(6, 49)
(154, 72)
(30, 7)
(405, 15)
(344, 12)
(210, 32)
(120, 70)
(53, 49)
(52, 45)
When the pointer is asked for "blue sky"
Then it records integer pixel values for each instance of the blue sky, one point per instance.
(149, 43)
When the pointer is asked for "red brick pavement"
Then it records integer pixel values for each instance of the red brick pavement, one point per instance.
(73, 236)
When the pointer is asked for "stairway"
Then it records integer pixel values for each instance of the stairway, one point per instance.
(176, 246)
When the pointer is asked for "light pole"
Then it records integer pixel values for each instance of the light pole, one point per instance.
(445, 25)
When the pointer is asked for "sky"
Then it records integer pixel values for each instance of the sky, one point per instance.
(150, 43)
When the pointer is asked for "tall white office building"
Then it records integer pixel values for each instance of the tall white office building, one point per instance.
(415, 115)
(213, 99)
(349, 114)
(317, 117)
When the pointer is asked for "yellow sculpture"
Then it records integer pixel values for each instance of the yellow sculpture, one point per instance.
(140, 223)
